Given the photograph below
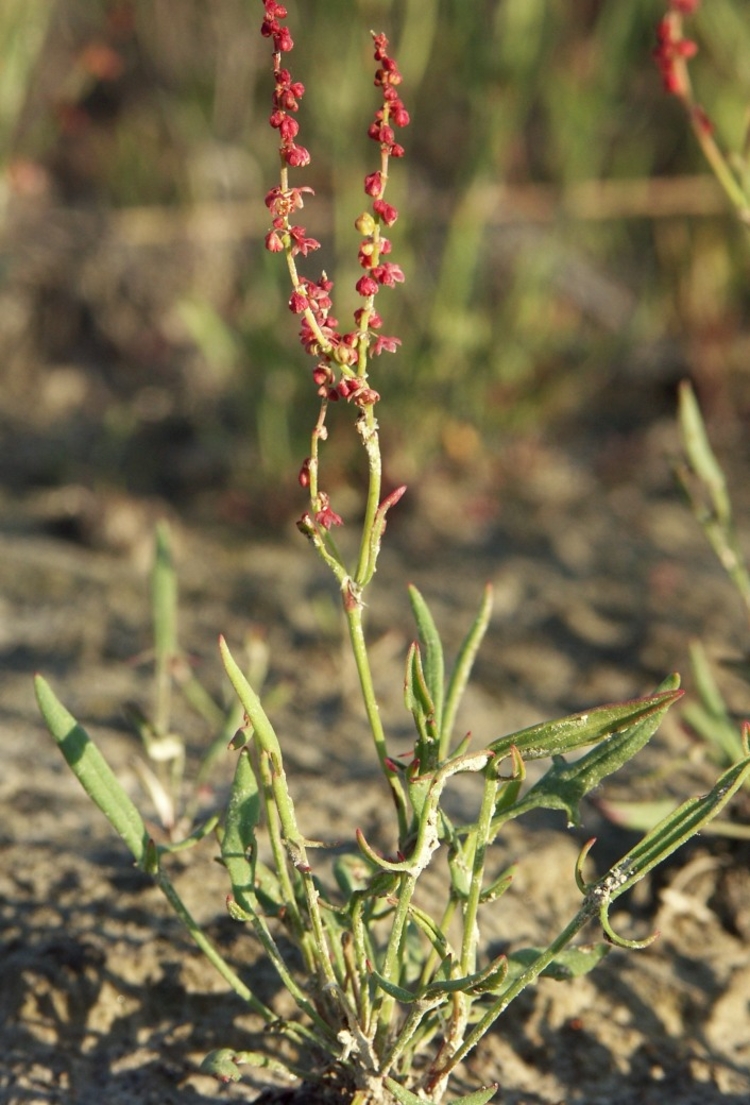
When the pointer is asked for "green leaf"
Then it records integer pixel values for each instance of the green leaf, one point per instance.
(251, 704)
(564, 785)
(498, 886)
(462, 670)
(406, 1097)
(164, 597)
(224, 1062)
(570, 963)
(419, 702)
(352, 874)
(238, 845)
(92, 770)
(480, 982)
(406, 997)
(552, 738)
(478, 1097)
(221, 1065)
(432, 651)
(710, 717)
(701, 455)
(673, 831)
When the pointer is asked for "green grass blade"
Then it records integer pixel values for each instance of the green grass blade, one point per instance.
(164, 613)
(92, 770)
(710, 717)
(700, 454)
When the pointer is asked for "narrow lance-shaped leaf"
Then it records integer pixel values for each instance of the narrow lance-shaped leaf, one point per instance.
(552, 738)
(564, 785)
(164, 596)
(432, 652)
(164, 604)
(406, 1097)
(570, 963)
(462, 670)
(251, 703)
(238, 846)
(710, 716)
(701, 455)
(710, 499)
(419, 702)
(674, 830)
(92, 771)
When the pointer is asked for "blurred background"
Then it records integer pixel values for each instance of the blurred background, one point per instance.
(568, 257)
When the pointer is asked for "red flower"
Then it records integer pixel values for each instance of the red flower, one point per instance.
(388, 274)
(386, 211)
(374, 184)
(366, 286)
(296, 156)
(325, 516)
(301, 244)
(274, 243)
(383, 344)
(672, 47)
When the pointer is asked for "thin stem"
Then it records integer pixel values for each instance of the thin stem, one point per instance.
(432, 960)
(703, 132)
(529, 976)
(273, 825)
(481, 838)
(297, 853)
(353, 610)
(369, 430)
(167, 888)
(384, 1003)
(407, 1033)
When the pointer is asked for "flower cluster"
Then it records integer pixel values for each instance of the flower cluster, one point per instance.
(341, 368)
(671, 54)
(341, 372)
(672, 50)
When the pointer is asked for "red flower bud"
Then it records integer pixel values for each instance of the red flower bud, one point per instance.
(374, 184)
(274, 243)
(296, 156)
(386, 211)
(366, 286)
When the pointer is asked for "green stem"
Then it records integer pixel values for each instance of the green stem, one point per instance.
(384, 1003)
(353, 609)
(273, 825)
(529, 976)
(210, 952)
(371, 441)
(481, 838)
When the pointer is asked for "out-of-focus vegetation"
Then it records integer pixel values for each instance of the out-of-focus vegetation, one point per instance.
(566, 251)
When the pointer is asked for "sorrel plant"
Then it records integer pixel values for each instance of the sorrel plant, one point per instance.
(389, 999)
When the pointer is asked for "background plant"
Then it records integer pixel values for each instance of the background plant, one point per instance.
(699, 472)
(557, 233)
(382, 980)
